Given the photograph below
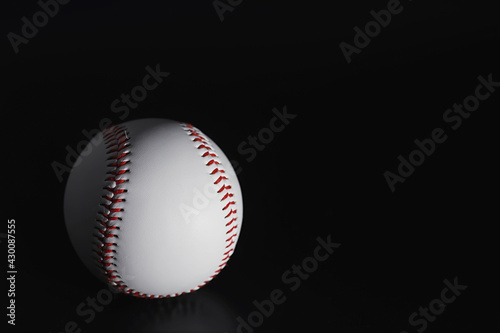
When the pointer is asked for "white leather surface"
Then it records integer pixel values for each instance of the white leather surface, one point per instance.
(159, 251)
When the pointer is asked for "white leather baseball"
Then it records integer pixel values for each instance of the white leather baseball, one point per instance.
(136, 212)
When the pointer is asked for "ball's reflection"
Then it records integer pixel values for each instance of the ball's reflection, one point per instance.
(201, 311)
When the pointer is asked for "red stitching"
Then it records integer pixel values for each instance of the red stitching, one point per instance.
(221, 178)
(230, 222)
(231, 230)
(228, 204)
(227, 195)
(212, 162)
(230, 238)
(224, 187)
(203, 146)
(231, 225)
(117, 143)
(117, 146)
(208, 153)
(229, 214)
(214, 171)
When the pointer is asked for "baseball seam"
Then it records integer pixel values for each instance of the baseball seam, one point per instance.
(227, 197)
(110, 211)
(111, 208)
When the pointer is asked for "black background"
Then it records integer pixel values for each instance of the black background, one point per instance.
(322, 175)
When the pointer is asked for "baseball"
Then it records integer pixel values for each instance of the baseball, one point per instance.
(153, 207)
